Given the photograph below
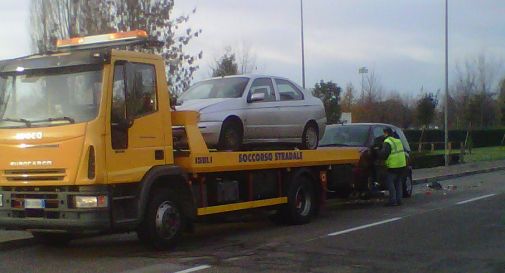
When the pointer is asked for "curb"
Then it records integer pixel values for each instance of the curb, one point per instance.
(9, 245)
(455, 175)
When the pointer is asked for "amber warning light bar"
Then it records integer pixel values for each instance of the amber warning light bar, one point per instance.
(103, 40)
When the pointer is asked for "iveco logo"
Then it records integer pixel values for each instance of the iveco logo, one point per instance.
(29, 136)
(37, 163)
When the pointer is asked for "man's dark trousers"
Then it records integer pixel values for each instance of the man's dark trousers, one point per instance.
(394, 184)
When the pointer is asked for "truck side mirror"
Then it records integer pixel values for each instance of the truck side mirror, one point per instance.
(124, 124)
(173, 102)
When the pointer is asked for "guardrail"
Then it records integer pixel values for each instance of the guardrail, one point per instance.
(432, 146)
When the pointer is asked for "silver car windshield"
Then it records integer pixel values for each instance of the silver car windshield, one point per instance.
(50, 97)
(216, 88)
(345, 136)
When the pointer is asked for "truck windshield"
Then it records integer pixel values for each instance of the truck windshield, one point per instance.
(345, 135)
(216, 88)
(50, 97)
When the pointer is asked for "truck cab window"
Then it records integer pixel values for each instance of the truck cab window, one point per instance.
(133, 96)
(142, 99)
(119, 137)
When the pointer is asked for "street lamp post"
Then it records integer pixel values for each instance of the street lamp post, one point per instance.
(303, 46)
(363, 70)
(446, 129)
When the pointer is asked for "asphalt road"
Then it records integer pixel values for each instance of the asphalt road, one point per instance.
(459, 230)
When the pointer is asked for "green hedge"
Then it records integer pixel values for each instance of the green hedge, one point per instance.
(479, 138)
(426, 160)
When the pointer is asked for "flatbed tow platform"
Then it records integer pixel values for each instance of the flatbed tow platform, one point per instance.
(240, 173)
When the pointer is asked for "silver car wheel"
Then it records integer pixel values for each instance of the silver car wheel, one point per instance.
(311, 137)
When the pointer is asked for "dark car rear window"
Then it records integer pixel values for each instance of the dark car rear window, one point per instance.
(345, 135)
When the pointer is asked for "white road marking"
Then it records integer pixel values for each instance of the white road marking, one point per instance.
(475, 199)
(365, 226)
(194, 269)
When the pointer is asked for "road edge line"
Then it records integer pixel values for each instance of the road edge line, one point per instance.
(194, 269)
(364, 226)
(475, 199)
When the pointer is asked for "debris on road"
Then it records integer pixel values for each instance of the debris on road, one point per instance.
(452, 187)
(434, 185)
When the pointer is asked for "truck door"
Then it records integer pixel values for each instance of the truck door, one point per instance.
(135, 133)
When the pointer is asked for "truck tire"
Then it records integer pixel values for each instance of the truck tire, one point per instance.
(301, 201)
(407, 187)
(53, 239)
(164, 221)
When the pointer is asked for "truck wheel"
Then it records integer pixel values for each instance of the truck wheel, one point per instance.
(310, 137)
(53, 239)
(230, 138)
(301, 202)
(407, 186)
(164, 221)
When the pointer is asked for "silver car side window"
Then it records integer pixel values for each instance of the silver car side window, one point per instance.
(288, 91)
(265, 86)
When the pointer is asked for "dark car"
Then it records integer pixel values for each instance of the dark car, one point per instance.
(370, 173)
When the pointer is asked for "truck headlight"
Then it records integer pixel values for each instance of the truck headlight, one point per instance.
(83, 202)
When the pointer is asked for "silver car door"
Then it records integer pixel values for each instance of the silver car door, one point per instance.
(294, 111)
(260, 114)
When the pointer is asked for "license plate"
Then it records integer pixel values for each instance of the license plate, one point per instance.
(34, 204)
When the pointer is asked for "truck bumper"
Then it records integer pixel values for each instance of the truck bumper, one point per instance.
(58, 211)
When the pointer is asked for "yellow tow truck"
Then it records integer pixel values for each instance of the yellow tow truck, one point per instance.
(86, 146)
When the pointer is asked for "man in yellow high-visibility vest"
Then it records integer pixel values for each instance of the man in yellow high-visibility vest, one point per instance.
(394, 155)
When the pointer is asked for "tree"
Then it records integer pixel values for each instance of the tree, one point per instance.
(501, 102)
(425, 109)
(348, 98)
(367, 108)
(373, 88)
(329, 93)
(234, 62)
(59, 19)
(226, 65)
(246, 59)
(474, 92)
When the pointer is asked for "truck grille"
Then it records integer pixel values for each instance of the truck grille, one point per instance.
(35, 175)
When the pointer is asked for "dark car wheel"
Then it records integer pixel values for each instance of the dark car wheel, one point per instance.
(310, 137)
(230, 138)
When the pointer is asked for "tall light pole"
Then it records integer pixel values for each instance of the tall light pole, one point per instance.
(446, 129)
(303, 46)
(363, 70)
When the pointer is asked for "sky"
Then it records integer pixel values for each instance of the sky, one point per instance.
(402, 41)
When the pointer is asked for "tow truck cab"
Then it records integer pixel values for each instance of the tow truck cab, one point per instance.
(71, 122)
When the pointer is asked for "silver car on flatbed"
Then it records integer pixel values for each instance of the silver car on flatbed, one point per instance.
(246, 109)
